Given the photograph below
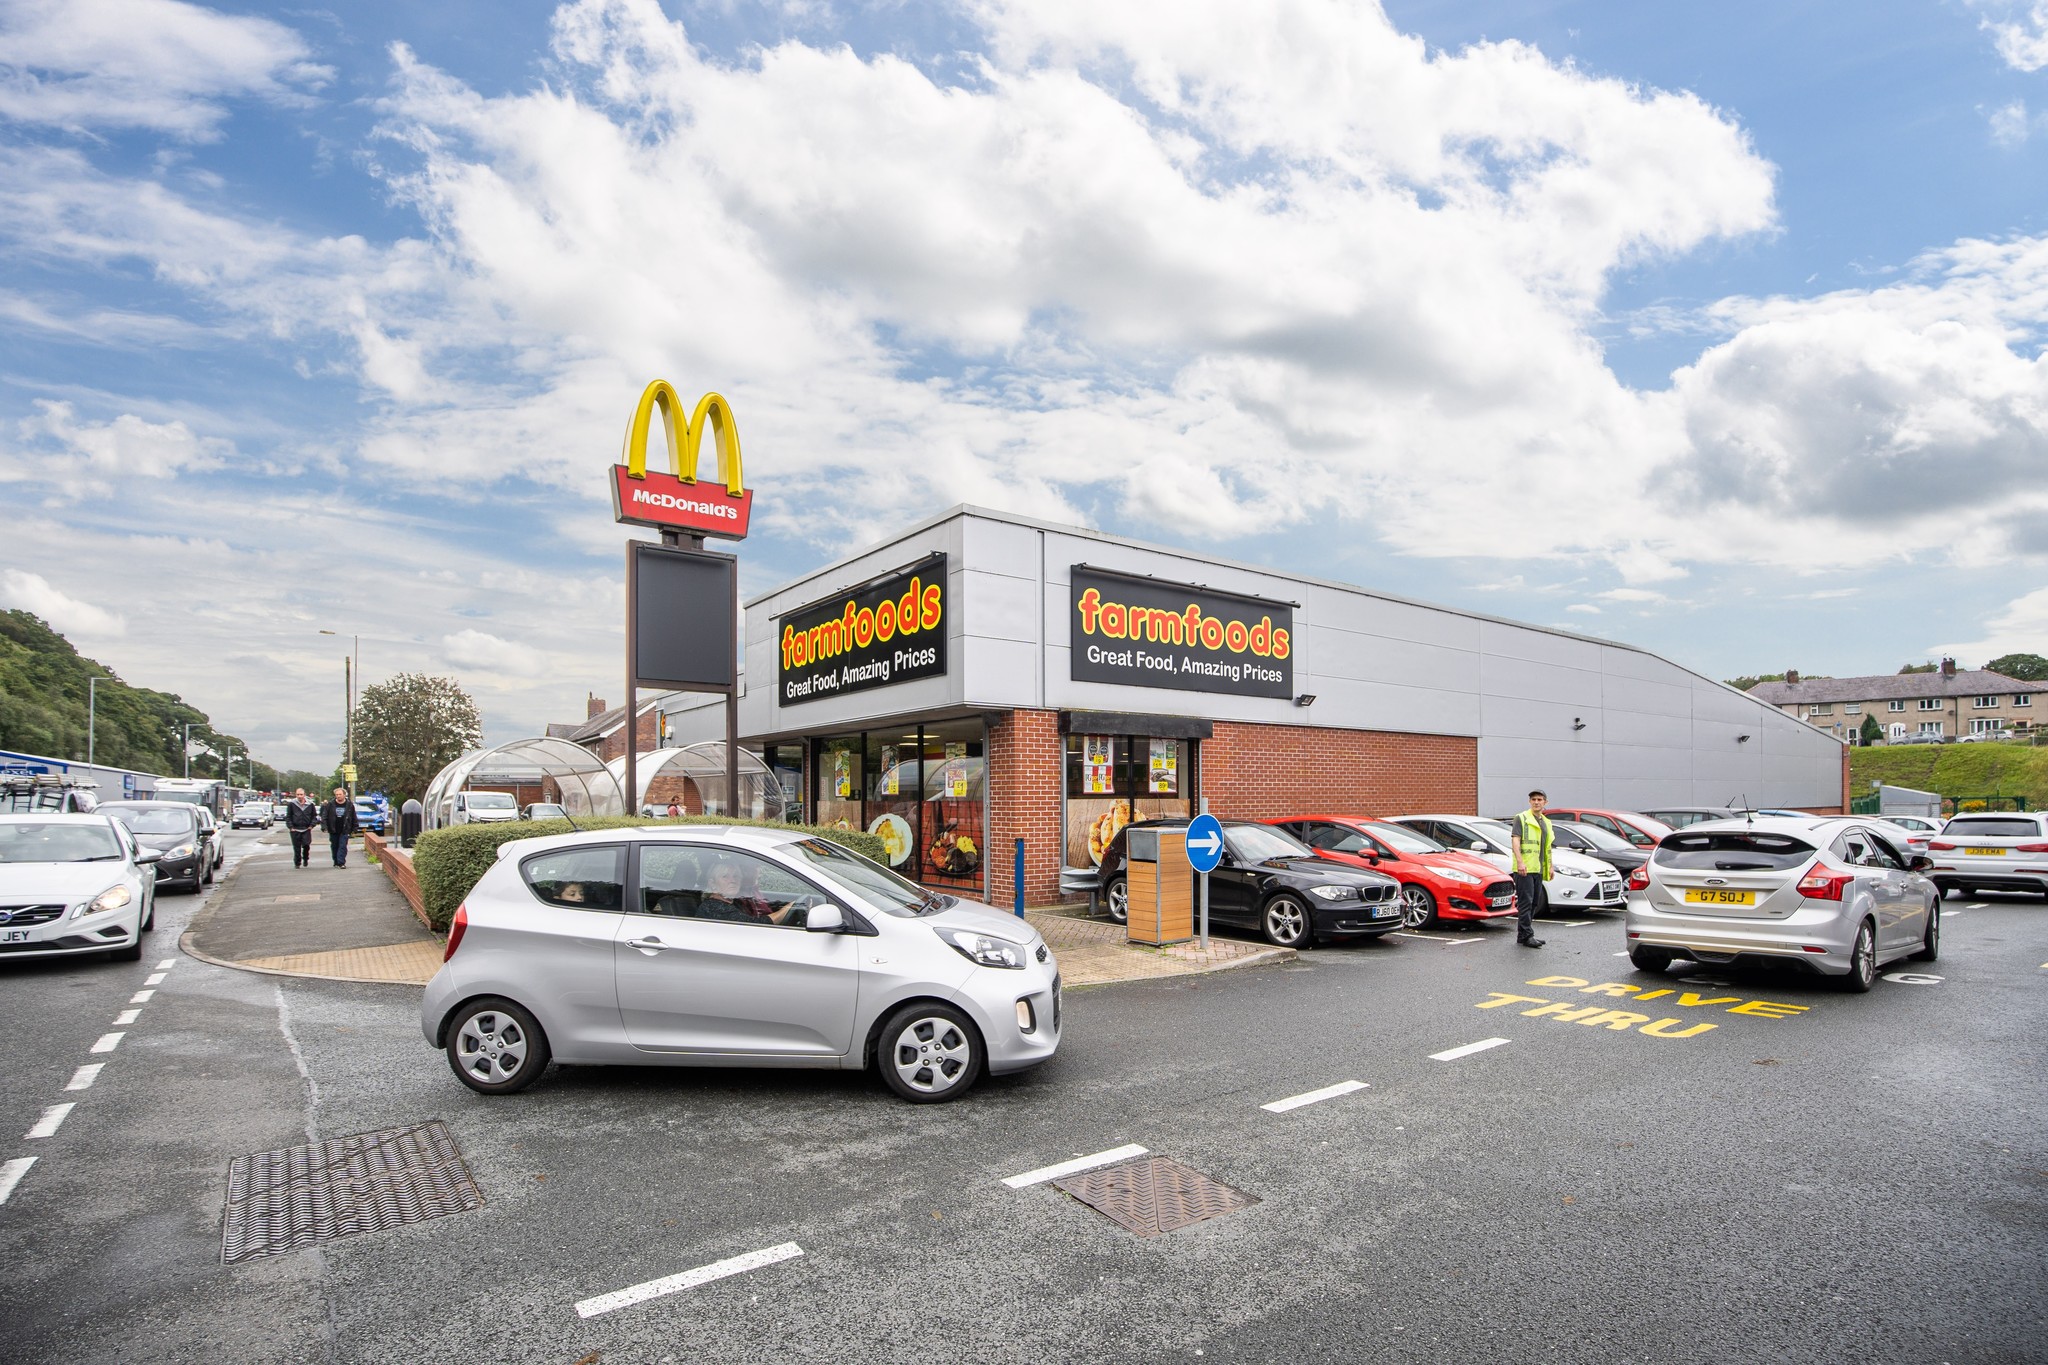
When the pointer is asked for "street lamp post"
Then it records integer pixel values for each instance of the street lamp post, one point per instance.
(351, 665)
(188, 749)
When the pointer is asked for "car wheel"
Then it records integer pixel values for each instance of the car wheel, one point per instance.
(206, 879)
(1285, 922)
(1650, 959)
(1862, 961)
(496, 1047)
(132, 953)
(149, 915)
(1117, 896)
(929, 1053)
(1930, 942)
(1418, 907)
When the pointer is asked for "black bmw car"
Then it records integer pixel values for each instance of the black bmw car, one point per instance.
(173, 829)
(1272, 883)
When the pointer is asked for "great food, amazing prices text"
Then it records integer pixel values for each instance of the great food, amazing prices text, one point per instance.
(1149, 633)
(891, 631)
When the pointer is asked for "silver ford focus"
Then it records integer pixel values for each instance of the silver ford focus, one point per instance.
(734, 947)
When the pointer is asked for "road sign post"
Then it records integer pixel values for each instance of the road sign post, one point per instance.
(1205, 850)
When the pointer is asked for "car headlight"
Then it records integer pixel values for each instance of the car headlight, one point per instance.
(1452, 874)
(113, 898)
(181, 851)
(1334, 893)
(1572, 872)
(983, 949)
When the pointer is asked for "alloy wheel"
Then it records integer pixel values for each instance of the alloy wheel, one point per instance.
(1119, 901)
(1418, 907)
(1286, 922)
(931, 1054)
(491, 1046)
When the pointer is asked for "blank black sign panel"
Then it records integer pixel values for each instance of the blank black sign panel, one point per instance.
(684, 631)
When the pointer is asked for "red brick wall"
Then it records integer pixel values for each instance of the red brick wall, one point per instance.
(613, 745)
(1260, 771)
(1025, 752)
(397, 865)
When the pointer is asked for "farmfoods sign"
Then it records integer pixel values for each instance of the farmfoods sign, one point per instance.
(1142, 632)
(890, 631)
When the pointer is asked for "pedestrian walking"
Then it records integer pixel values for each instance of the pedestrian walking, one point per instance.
(300, 815)
(1534, 841)
(338, 818)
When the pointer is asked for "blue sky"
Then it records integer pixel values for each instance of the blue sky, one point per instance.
(1717, 329)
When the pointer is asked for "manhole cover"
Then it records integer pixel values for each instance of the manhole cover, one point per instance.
(281, 1201)
(1154, 1194)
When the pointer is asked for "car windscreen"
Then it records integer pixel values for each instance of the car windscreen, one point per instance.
(1600, 838)
(1989, 827)
(871, 881)
(38, 842)
(1257, 843)
(1731, 851)
(491, 801)
(146, 821)
(1403, 840)
(1494, 832)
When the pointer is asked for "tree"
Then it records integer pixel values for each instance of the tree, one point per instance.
(410, 727)
(1871, 732)
(2025, 667)
(1918, 668)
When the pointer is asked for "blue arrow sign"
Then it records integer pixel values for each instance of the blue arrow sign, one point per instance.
(1205, 843)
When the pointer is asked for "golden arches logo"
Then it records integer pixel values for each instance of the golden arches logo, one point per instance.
(684, 448)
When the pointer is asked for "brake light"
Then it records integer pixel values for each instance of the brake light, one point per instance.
(1639, 880)
(456, 930)
(1944, 847)
(2030, 848)
(1823, 885)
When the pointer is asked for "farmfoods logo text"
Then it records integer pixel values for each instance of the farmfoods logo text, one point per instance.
(892, 630)
(1143, 632)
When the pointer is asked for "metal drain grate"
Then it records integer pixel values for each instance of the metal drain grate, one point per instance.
(367, 1182)
(1154, 1194)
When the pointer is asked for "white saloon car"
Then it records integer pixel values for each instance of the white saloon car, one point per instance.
(74, 884)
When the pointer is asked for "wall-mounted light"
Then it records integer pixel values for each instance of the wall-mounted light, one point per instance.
(1578, 724)
(1742, 739)
(1305, 699)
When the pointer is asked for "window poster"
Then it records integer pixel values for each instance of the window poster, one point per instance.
(890, 778)
(842, 773)
(956, 771)
(1164, 770)
(1098, 765)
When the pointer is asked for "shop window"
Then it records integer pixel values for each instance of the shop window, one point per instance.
(920, 789)
(1112, 780)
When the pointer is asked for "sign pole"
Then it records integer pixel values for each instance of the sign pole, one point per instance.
(1204, 893)
(632, 793)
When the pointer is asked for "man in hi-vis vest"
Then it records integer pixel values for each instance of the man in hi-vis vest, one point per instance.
(1534, 841)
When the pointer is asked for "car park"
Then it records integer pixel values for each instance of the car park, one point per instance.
(544, 810)
(1436, 882)
(1275, 885)
(1834, 895)
(74, 884)
(1595, 842)
(176, 832)
(1986, 851)
(1678, 817)
(1577, 882)
(728, 946)
(255, 814)
(1641, 830)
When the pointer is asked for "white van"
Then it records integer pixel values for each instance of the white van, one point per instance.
(482, 808)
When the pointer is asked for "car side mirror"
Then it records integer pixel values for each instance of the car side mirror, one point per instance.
(1476, 846)
(1919, 862)
(825, 919)
(152, 855)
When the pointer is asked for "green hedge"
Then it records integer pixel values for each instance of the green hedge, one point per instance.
(448, 862)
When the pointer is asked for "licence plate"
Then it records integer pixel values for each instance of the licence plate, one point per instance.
(1384, 911)
(1985, 852)
(1498, 901)
(1709, 896)
(16, 935)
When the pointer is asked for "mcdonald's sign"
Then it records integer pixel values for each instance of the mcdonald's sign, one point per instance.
(677, 501)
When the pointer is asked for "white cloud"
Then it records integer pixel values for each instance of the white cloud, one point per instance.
(103, 454)
(67, 615)
(2021, 628)
(485, 653)
(158, 64)
(1584, 608)
(2020, 30)
(2010, 125)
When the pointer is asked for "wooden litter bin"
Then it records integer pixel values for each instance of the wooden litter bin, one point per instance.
(1160, 886)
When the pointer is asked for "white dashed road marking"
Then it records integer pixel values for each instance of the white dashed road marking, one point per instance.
(1079, 1163)
(108, 1042)
(1433, 938)
(140, 997)
(155, 979)
(1328, 1092)
(689, 1279)
(127, 1016)
(1452, 1054)
(83, 1078)
(167, 964)
(47, 1125)
(11, 1174)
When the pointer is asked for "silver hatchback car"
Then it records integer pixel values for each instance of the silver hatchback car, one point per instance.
(733, 947)
(1991, 852)
(1835, 894)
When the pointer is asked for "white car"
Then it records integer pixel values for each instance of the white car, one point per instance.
(255, 814)
(1579, 880)
(479, 808)
(74, 884)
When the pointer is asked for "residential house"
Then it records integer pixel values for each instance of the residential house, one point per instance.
(1949, 702)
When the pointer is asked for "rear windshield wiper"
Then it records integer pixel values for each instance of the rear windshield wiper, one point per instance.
(1742, 867)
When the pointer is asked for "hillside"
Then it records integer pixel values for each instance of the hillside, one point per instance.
(1956, 769)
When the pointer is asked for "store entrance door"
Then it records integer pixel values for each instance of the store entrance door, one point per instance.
(920, 789)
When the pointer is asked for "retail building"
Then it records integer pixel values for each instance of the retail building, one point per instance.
(983, 678)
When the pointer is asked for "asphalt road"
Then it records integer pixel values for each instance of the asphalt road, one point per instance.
(1861, 1179)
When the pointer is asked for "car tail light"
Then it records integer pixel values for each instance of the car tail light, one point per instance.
(1943, 847)
(1823, 885)
(1639, 880)
(456, 930)
(1808, 947)
(2030, 848)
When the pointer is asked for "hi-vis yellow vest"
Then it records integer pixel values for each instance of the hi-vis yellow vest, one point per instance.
(1534, 836)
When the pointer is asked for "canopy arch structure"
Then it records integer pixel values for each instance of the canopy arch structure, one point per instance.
(530, 770)
(693, 779)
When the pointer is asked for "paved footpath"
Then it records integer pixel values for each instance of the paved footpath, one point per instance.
(338, 923)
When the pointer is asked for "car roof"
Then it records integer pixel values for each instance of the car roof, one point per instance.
(746, 836)
(151, 805)
(1776, 824)
(58, 817)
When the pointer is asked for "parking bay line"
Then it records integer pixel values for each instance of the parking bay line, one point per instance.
(52, 1118)
(108, 1042)
(1328, 1092)
(83, 1078)
(11, 1173)
(1079, 1163)
(1452, 1054)
(1433, 938)
(688, 1279)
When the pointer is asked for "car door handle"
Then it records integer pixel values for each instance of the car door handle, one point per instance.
(646, 945)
